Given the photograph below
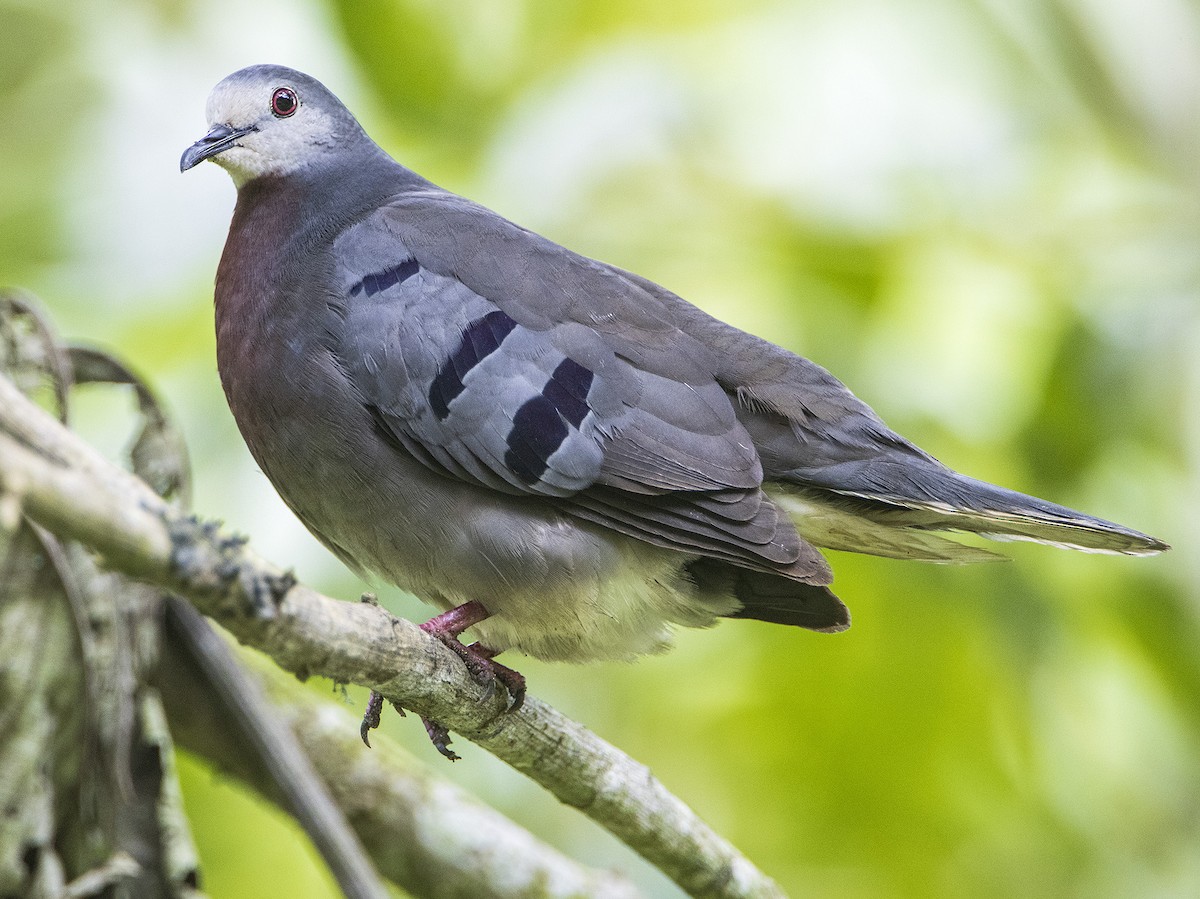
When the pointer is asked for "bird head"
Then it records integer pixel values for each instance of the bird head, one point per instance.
(272, 120)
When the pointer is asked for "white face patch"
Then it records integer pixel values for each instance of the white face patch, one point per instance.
(279, 145)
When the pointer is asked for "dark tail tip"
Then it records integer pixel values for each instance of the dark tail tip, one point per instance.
(780, 600)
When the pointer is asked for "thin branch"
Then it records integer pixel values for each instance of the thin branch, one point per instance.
(70, 489)
(120, 867)
(304, 793)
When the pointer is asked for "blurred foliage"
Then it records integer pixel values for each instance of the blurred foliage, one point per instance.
(982, 216)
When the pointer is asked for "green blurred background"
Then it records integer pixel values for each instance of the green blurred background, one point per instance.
(981, 214)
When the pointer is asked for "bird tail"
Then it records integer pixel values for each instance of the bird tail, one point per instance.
(899, 506)
(776, 598)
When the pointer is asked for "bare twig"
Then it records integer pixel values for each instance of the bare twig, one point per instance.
(68, 488)
(119, 867)
(288, 766)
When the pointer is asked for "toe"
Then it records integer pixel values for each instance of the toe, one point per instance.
(370, 719)
(440, 738)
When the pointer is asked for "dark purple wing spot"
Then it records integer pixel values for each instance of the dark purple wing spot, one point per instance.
(540, 425)
(378, 282)
(480, 339)
(538, 430)
(568, 388)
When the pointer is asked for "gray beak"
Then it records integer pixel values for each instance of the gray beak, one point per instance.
(219, 139)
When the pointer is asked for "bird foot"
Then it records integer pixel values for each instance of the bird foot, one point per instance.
(486, 671)
(483, 668)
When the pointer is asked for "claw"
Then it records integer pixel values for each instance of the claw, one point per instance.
(370, 719)
(440, 738)
(489, 687)
(513, 681)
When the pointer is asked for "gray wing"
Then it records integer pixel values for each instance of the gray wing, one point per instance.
(832, 456)
(495, 356)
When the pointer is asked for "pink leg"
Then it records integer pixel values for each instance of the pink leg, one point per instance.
(456, 620)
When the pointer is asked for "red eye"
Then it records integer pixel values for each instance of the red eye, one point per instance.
(284, 102)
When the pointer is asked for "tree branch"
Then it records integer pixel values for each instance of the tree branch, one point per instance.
(65, 485)
(302, 790)
(422, 832)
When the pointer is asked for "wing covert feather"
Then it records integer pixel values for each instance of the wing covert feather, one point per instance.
(496, 357)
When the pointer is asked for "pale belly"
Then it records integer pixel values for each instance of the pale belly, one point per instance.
(556, 588)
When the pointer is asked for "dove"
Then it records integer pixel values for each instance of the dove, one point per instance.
(564, 457)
